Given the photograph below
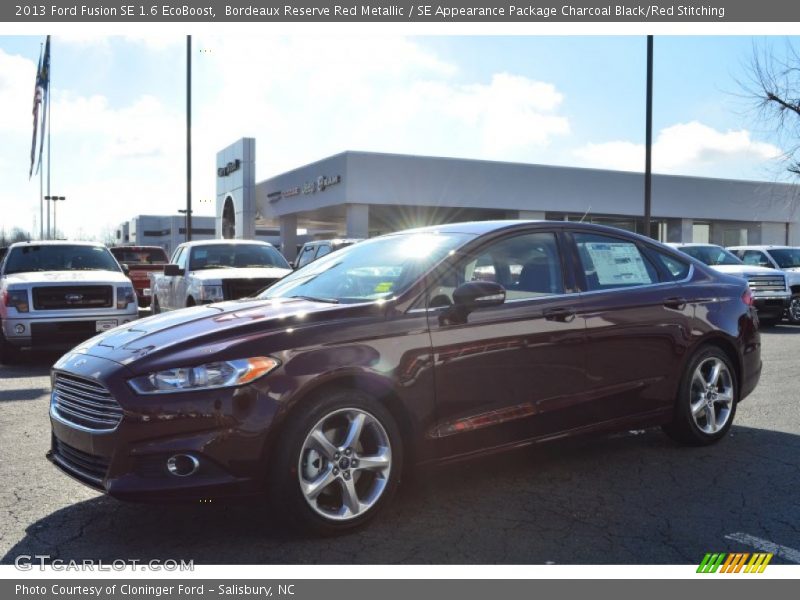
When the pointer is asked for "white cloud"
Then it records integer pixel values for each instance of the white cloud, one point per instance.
(688, 148)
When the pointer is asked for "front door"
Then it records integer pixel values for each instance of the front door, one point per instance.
(508, 373)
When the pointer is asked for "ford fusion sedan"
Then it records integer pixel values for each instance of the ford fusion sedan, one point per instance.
(413, 348)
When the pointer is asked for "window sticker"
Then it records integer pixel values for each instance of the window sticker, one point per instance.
(384, 286)
(618, 264)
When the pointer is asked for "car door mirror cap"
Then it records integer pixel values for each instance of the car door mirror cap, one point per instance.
(479, 294)
(172, 270)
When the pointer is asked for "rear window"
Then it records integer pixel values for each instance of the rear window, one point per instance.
(150, 256)
(610, 263)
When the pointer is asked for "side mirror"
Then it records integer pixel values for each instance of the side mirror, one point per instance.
(479, 294)
(172, 270)
(126, 269)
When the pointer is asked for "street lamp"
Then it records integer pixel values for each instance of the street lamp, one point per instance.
(54, 199)
(188, 212)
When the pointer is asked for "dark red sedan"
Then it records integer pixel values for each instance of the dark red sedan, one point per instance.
(417, 347)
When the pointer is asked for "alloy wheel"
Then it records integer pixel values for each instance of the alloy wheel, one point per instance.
(344, 464)
(711, 395)
(794, 309)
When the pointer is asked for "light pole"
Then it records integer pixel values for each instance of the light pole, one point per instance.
(53, 199)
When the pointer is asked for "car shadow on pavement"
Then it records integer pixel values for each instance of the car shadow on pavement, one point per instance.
(635, 497)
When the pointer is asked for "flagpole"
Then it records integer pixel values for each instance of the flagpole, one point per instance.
(49, 121)
(41, 187)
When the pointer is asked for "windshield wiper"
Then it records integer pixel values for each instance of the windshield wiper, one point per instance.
(316, 299)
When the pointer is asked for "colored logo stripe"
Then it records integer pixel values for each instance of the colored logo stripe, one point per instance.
(734, 562)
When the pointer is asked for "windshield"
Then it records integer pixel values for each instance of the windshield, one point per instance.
(224, 256)
(372, 270)
(147, 256)
(711, 255)
(787, 258)
(52, 257)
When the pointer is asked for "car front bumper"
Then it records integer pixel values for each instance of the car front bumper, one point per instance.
(771, 306)
(63, 331)
(225, 430)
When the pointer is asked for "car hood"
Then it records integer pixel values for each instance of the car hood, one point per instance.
(40, 278)
(209, 275)
(743, 270)
(216, 326)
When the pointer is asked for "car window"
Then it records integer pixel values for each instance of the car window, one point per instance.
(675, 269)
(224, 256)
(787, 258)
(711, 255)
(527, 266)
(755, 257)
(323, 250)
(306, 256)
(181, 258)
(148, 256)
(610, 263)
(59, 257)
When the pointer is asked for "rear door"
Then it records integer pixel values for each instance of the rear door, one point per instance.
(512, 372)
(638, 314)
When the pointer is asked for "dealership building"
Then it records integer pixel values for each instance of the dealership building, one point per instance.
(362, 194)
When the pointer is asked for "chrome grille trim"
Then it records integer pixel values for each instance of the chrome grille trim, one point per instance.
(84, 403)
(767, 283)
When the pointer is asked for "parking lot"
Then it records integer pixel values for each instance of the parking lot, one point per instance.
(635, 497)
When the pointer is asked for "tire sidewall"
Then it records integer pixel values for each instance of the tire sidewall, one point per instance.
(283, 477)
(688, 427)
(792, 320)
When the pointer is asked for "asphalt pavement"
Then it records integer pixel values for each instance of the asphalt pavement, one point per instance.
(631, 498)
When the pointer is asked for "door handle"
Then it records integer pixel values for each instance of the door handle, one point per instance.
(676, 303)
(565, 315)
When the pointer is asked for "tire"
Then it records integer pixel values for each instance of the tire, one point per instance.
(709, 396)
(155, 308)
(314, 448)
(9, 354)
(190, 302)
(793, 312)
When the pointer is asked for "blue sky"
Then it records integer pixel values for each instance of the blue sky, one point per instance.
(118, 110)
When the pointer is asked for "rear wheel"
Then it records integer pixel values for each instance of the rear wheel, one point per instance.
(338, 463)
(707, 399)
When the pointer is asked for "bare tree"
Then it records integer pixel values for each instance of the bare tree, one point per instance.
(773, 85)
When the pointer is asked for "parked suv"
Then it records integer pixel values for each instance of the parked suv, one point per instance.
(311, 251)
(785, 258)
(770, 288)
(56, 294)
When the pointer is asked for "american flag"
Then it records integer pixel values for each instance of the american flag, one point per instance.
(40, 92)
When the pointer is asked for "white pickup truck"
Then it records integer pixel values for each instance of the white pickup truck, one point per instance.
(213, 271)
(784, 258)
(58, 294)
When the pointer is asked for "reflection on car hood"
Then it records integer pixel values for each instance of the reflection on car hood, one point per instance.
(67, 277)
(209, 323)
(744, 270)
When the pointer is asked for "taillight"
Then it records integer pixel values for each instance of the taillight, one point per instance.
(747, 297)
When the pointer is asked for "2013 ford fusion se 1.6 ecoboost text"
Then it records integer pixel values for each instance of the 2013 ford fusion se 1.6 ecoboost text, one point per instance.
(413, 348)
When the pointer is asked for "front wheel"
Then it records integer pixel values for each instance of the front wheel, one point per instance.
(706, 401)
(793, 312)
(338, 463)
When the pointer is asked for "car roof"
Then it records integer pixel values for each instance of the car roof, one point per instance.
(136, 248)
(334, 241)
(55, 243)
(763, 247)
(224, 242)
(692, 244)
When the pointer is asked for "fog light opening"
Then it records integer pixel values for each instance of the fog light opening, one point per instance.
(182, 465)
(19, 328)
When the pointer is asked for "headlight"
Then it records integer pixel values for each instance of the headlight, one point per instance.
(211, 293)
(18, 299)
(205, 377)
(125, 295)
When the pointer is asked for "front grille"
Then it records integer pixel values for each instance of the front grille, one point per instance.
(73, 296)
(766, 283)
(81, 464)
(244, 288)
(85, 402)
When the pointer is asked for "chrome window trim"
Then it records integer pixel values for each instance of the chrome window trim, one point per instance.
(686, 279)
